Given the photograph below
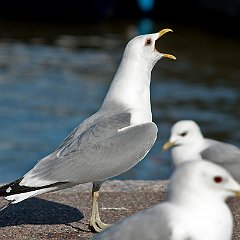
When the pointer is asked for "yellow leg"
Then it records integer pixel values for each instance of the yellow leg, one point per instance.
(95, 221)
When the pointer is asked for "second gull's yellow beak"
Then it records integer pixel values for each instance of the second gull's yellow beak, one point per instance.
(167, 145)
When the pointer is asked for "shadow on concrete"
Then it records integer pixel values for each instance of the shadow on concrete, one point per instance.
(38, 211)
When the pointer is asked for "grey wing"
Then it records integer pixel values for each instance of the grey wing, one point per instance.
(100, 126)
(224, 154)
(151, 224)
(102, 151)
(221, 153)
(101, 129)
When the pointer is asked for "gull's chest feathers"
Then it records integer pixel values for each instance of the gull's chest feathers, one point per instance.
(140, 108)
(135, 100)
(131, 89)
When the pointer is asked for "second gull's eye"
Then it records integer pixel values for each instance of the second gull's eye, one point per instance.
(183, 134)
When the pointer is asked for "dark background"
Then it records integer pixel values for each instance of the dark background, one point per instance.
(215, 15)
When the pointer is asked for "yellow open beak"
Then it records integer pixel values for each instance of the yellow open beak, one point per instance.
(167, 145)
(160, 33)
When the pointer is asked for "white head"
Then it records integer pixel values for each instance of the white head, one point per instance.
(142, 48)
(184, 133)
(196, 180)
(130, 87)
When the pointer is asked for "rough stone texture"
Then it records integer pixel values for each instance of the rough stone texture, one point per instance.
(65, 214)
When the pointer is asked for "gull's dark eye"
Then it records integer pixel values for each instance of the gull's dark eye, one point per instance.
(148, 42)
(217, 179)
(183, 134)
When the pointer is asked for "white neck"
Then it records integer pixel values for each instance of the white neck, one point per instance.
(131, 89)
(187, 152)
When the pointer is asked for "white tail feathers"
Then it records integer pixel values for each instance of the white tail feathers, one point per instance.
(16, 198)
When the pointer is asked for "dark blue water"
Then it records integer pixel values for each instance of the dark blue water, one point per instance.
(48, 85)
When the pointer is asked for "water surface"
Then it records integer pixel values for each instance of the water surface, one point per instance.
(53, 78)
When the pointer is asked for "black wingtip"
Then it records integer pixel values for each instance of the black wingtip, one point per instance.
(3, 189)
(14, 188)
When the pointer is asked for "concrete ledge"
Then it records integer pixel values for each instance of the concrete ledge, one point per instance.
(65, 214)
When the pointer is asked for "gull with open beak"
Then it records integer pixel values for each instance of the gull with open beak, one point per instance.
(109, 142)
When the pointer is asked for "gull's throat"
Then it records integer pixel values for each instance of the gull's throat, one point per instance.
(131, 89)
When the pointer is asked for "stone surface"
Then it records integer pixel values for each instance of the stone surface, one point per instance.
(65, 214)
